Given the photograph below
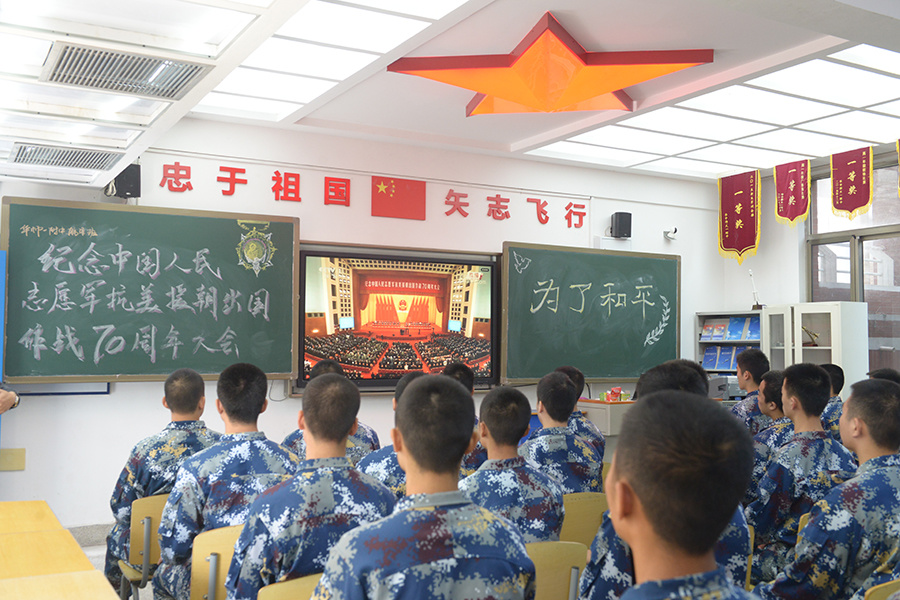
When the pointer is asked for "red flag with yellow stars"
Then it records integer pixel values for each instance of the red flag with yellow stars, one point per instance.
(792, 192)
(851, 182)
(398, 198)
(739, 215)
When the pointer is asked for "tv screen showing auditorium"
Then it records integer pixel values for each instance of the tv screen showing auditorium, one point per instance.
(382, 315)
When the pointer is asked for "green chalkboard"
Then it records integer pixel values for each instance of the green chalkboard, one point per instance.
(99, 292)
(613, 315)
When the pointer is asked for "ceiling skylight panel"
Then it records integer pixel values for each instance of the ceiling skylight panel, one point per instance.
(858, 124)
(349, 27)
(428, 9)
(244, 107)
(761, 105)
(832, 82)
(691, 168)
(639, 140)
(276, 86)
(592, 154)
(679, 121)
(22, 55)
(796, 141)
(757, 158)
(300, 58)
(872, 57)
(75, 102)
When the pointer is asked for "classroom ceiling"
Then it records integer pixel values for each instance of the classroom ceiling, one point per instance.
(86, 86)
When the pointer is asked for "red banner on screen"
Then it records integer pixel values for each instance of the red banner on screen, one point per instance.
(792, 192)
(739, 215)
(398, 198)
(415, 286)
(851, 182)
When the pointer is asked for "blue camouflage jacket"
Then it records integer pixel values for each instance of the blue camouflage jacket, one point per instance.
(519, 491)
(292, 526)
(852, 540)
(432, 546)
(831, 417)
(363, 442)
(713, 585)
(581, 426)
(747, 410)
(567, 458)
(765, 443)
(214, 488)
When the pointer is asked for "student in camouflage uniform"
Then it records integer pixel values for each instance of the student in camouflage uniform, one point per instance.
(506, 483)
(466, 376)
(831, 416)
(153, 462)
(674, 375)
(579, 424)
(215, 487)
(852, 540)
(773, 437)
(680, 468)
(752, 364)
(556, 450)
(360, 443)
(436, 544)
(292, 526)
(382, 464)
(799, 474)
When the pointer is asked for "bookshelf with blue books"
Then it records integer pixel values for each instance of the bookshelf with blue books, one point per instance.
(723, 335)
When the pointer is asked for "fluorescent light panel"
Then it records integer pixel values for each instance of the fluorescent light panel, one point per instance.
(639, 140)
(692, 168)
(832, 82)
(22, 55)
(350, 27)
(679, 121)
(428, 9)
(858, 124)
(872, 57)
(275, 86)
(801, 142)
(758, 158)
(76, 102)
(301, 58)
(592, 154)
(760, 105)
(244, 107)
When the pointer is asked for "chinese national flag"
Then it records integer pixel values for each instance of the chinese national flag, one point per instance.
(792, 192)
(851, 182)
(739, 215)
(398, 198)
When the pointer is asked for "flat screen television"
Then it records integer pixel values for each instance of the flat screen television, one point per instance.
(382, 313)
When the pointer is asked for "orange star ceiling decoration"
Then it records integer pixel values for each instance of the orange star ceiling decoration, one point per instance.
(550, 72)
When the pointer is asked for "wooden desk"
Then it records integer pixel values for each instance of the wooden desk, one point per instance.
(40, 553)
(27, 515)
(82, 585)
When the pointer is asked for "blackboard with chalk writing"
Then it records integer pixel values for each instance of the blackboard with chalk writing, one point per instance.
(99, 292)
(613, 315)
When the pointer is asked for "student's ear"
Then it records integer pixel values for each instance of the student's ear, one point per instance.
(301, 424)
(483, 430)
(397, 440)
(355, 427)
(540, 407)
(201, 404)
(219, 407)
(265, 405)
(166, 404)
(858, 428)
(394, 404)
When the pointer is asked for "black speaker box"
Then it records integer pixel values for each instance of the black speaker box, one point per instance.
(128, 182)
(620, 225)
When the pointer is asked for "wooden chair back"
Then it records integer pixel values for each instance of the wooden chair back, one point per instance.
(210, 560)
(558, 566)
(584, 513)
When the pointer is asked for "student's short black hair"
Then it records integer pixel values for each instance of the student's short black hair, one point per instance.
(755, 362)
(506, 413)
(463, 373)
(691, 364)
(405, 381)
(183, 390)
(810, 384)
(772, 392)
(877, 403)
(242, 391)
(436, 416)
(671, 376)
(330, 405)
(885, 373)
(576, 376)
(689, 462)
(836, 373)
(557, 393)
(326, 365)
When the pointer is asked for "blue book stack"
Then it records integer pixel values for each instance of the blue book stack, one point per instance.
(710, 357)
(735, 328)
(753, 328)
(725, 355)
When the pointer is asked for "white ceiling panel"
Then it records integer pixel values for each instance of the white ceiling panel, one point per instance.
(862, 125)
(831, 82)
(691, 168)
(314, 60)
(761, 105)
(432, 9)
(640, 140)
(275, 86)
(593, 154)
(680, 121)
(807, 143)
(757, 158)
(228, 105)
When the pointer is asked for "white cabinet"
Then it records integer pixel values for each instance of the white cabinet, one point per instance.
(818, 332)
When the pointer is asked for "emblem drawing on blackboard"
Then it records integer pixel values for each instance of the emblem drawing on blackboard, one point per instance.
(521, 262)
(654, 335)
(256, 249)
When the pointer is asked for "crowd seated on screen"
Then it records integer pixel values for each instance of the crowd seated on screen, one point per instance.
(347, 349)
(401, 356)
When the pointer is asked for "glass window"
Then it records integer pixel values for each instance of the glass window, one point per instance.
(882, 292)
(831, 272)
(885, 209)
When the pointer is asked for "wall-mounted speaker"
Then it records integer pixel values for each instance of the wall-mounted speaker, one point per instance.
(128, 182)
(620, 225)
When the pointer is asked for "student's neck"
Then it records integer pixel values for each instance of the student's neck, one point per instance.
(659, 561)
(184, 417)
(237, 427)
(775, 415)
(751, 387)
(419, 481)
(804, 423)
(324, 449)
(547, 422)
(498, 452)
(865, 452)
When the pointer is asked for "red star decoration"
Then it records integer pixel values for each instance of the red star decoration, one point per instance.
(550, 72)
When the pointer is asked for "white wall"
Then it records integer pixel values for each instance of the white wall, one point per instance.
(76, 445)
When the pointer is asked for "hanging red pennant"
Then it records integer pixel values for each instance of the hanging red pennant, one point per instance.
(851, 182)
(792, 192)
(739, 215)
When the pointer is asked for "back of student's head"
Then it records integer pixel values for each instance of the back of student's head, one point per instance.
(405, 381)
(576, 376)
(557, 393)
(242, 391)
(836, 374)
(885, 373)
(753, 361)
(463, 373)
(330, 405)
(326, 365)
(772, 390)
(183, 390)
(506, 413)
(689, 462)
(810, 384)
(671, 376)
(877, 403)
(436, 416)
(691, 364)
